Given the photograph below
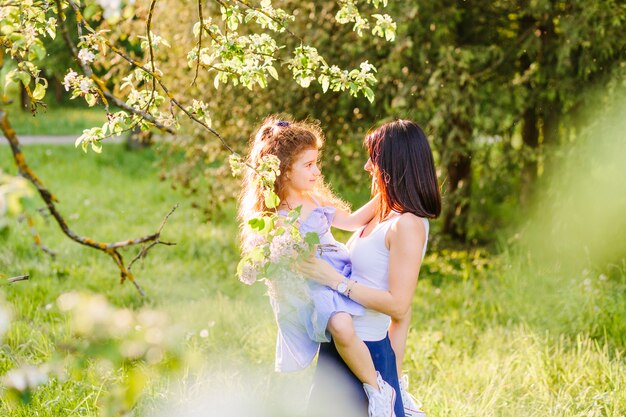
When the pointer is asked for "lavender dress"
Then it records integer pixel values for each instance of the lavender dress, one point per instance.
(301, 320)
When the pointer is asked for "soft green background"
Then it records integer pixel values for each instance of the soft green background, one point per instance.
(492, 334)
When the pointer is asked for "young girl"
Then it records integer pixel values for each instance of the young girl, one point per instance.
(303, 325)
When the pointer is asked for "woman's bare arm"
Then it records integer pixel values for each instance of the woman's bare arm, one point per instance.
(406, 240)
(398, 332)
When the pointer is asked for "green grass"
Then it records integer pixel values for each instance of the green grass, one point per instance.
(492, 335)
(55, 120)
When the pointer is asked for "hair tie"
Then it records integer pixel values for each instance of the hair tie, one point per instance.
(282, 123)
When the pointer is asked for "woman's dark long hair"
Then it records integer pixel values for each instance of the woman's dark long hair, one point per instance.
(404, 170)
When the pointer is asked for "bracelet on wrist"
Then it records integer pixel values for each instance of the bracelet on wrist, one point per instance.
(350, 286)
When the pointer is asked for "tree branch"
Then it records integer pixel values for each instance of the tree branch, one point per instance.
(278, 22)
(36, 237)
(112, 249)
(104, 93)
(149, 36)
(18, 278)
(195, 77)
(155, 77)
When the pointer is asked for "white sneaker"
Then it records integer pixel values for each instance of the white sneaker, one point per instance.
(381, 402)
(411, 405)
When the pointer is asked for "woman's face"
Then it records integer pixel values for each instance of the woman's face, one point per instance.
(304, 171)
(369, 166)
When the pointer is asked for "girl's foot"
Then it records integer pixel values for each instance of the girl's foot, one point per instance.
(382, 400)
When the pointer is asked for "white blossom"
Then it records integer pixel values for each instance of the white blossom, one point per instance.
(86, 56)
(248, 274)
(283, 246)
(112, 8)
(84, 85)
(25, 378)
(70, 77)
(5, 319)
(367, 67)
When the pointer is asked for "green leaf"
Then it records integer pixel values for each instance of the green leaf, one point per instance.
(257, 223)
(268, 225)
(91, 10)
(23, 76)
(40, 92)
(272, 71)
(369, 94)
(271, 199)
(90, 99)
(51, 28)
(294, 214)
(325, 84)
(312, 238)
(96, 146)
(240, 265)
(38, 49)
(257, 254)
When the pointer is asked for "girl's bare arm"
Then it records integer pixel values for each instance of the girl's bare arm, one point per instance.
(345, 220)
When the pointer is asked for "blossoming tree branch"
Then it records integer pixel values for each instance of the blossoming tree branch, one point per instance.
(237, 42)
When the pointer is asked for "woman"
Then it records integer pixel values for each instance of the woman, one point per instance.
(386, 255)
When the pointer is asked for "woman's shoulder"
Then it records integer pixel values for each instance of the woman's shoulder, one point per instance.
(410, 223)
(408, 230)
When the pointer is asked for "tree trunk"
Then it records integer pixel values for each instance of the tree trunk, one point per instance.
(58, 89)
(24, 98)
(459, 178)
(530, 128)
(138, 139)
(530, 137)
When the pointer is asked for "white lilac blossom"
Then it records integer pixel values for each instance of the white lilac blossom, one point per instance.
(86, 56)
(248, 274)
(283, 246)
(70, 77)
(253, 240)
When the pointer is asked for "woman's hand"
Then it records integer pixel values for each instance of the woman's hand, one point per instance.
(320, 271)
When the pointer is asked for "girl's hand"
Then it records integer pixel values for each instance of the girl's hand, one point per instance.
(320, 271)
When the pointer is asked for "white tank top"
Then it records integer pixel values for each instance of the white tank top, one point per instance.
(370, 267)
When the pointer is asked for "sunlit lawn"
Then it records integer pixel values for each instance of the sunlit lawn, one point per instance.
(55, 120)
(492, 335)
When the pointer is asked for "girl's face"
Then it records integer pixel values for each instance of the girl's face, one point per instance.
(304, 171)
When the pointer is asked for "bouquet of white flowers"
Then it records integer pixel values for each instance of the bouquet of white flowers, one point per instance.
(274, 241)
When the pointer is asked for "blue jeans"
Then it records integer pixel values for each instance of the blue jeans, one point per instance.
(337, 392)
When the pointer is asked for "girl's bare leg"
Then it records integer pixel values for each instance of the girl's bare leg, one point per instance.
(353, 350)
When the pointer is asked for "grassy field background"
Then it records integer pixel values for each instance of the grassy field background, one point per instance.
(493, 334)
(55, 120)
